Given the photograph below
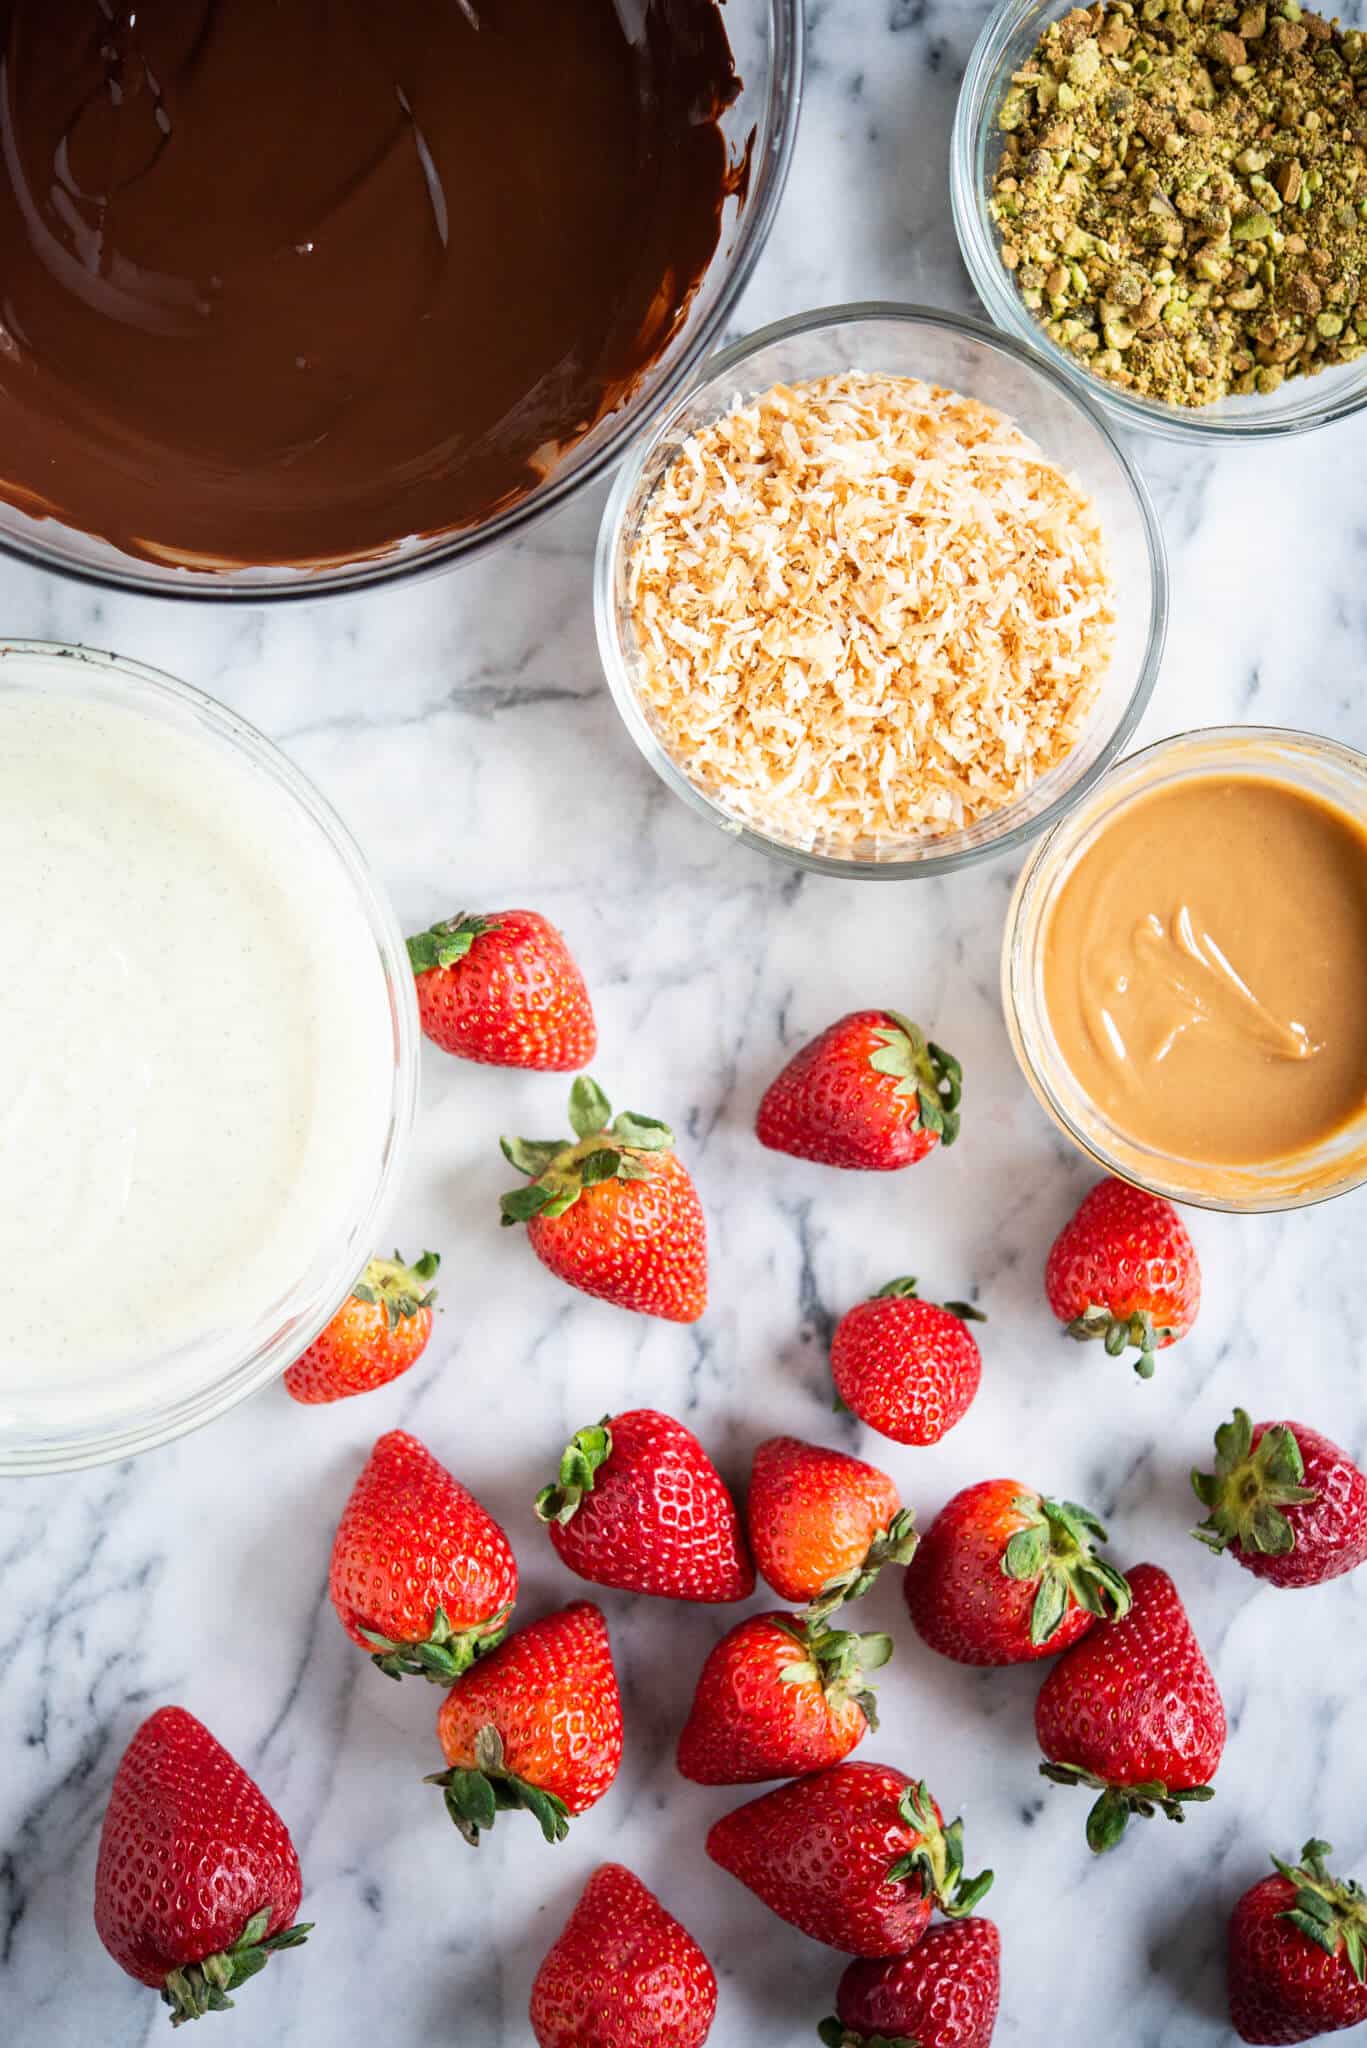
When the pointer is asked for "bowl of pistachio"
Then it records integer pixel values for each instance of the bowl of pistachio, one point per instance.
(1169, 199)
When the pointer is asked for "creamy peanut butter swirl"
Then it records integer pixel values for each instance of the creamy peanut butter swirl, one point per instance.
(1205, 969)
(1171, 976)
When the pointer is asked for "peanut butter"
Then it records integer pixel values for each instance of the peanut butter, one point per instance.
(1205, 969)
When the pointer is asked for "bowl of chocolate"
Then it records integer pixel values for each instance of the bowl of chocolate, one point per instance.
(303, 295)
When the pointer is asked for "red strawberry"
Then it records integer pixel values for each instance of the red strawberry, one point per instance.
(1125, 1270)
(778, 1697)
(639, 1505)
(1288, 1504)
(615, 1213)
(421, 1576)
(379, 1331)
(197, 1883)
(503, 989)
(855, 1857)
(624, 1974)
(536, 1724)
(1004, 1575)
(907, 1367)
(945, 1994)
(870, 1092)
(822, 1524)
(1134, 1710)
(1298, 1953)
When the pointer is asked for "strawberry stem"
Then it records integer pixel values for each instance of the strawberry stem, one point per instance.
(838, 1660)
(446, 1655)
(587, 1450)
(1120, 1334)
(1330, 1913)
(905, 1290)
(1248, 1489)
(837, 2035)
(1113, 1811)
(447, 943)
(894, 1545)
(924, 1070)
(938, 1858)
(197, 1988)
(1055, 1547)
(399, 1289)
(475, 1796)
(604, 1148)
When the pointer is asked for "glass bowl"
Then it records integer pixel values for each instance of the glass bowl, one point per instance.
(767, 38)
(1012, 30)
(1320, 767)
(48, 1424)
(911, 341)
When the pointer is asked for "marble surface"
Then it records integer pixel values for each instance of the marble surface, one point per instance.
(463, 728)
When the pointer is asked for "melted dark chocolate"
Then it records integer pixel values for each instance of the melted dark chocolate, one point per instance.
(286, 281)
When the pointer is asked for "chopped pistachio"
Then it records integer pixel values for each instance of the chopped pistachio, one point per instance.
(1287, 178)
(1155, 153)
(1085, 63)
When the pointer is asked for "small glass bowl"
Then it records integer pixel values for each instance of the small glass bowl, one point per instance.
(208, 1379)
(1319, 767)
(1302, 403)
(910, 341)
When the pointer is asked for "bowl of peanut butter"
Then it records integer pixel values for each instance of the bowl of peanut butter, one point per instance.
(1185, 969)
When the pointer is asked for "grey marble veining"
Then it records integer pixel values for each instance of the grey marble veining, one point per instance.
(463, 729)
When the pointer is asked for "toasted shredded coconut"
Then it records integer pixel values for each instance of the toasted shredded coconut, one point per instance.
(867, 609)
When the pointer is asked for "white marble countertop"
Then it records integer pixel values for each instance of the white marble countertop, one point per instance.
(463, 729)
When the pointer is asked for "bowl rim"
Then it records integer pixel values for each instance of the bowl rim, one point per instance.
(27, 1452)
(992, 282)
(1012, 973)
(612, 539)
(394, 567)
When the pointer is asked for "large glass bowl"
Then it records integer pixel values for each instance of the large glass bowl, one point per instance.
(200, 1381)
(767, 38)
(1305, 761)
(1012, 31)
(910, 341)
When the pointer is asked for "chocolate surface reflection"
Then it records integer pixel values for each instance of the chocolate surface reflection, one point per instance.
(286, 281)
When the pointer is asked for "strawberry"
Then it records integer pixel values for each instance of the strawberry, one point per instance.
(1004, 1575)
(1283, 1500)
(1134, 1711)
(945, 1994)
(855, 1857)
(421, 1576)
(639, 1505)
(535, 1724)
(380, 1330)
(615, 1213)
(197, 1882)
(624, 1974)
(1298, 1953)
(503, 989)
(1125, 1270)
(779, 1696)
(870, 1092)
(907, 1367)
(823, 1524)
